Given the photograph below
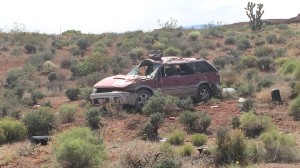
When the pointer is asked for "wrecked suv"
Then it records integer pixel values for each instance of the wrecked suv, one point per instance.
(183, 77)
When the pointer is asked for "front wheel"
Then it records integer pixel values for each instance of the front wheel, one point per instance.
(142, 98)
(203, 94)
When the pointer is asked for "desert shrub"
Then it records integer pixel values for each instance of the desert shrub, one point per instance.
(294, 108)
(280, 52)
(176, 138)
(187, 150)
(167, 149)
(187, 52)
(243, 44)
(36, 96)
(264, 83)
(83, 44)
(246, 89)
(230, 40)
(48, 67)
(230, 146)
(12, 76)
(229, 77)
(203, 53)
(93, 118)
(259, 41)
(168, 163)
(172, 51)
(189, 118)
(249, 61)
(39, 122)
(137, 53)
(263, 51)
(209, 44)
(282, 26)
(254, 125)
(199, 139)
(290, 67)
(235, 122)
(271, 38)
(151, 127)
(251, 75)
(158, 46)
(66, 64)
(247, 105)
(281, 40)
(79, 147)
(101, 47)
(265, 63)
(96, 62)
(67, 112)
(280, 61)
(11, 130)
(193, 35)
(72, 93)
(221, 62)
(30, 48)
(195, 121)
(85, 93)
(165, 104)
(280, 147)
(52, 76)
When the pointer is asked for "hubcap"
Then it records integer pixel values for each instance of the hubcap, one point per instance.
(204, 95)
(142, 99)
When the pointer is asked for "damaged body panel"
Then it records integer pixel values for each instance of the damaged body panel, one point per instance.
(183, 77)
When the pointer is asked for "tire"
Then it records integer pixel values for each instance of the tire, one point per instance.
(142, 98)
(203, 94)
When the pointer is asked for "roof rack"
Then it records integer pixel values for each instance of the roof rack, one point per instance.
(156, 55)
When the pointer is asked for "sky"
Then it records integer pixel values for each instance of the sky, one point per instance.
(100, 16)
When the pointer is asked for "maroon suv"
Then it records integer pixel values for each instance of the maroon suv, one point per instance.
(183, 77)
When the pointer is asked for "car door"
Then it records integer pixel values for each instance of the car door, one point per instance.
(170, 81)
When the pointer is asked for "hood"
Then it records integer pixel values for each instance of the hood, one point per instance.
(119, 81)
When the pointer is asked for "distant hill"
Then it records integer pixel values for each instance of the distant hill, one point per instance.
(199, 26)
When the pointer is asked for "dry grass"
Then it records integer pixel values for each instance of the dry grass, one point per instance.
(229, 77)
(264, 96)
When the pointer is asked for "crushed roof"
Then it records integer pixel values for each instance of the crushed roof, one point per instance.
(175, 60)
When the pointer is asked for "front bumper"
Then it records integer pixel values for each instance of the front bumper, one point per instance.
(114, 97)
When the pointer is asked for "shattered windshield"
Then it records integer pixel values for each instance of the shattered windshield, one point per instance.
(146, 68)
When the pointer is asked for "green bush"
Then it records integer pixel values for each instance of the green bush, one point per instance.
(11, 130)
(66, 64)
(195, 121)
(52, 76)
(265, 63)
(12, 77)
(167, 149)
(271, 38)
(280, 61)
(280, 147)
(36, 95)
(151, 127)
(294, 108)
(254, 125)
(230, 146)
(187, 150)
(158, 46)
(72, 93)
(172, 51)
(235, 122)
(189, 118)
(243, 44)
(39, 122)
(259, 42)
(168, 163)
(137, 53)
(281, 40)
(263, 51)
(221, 62)
(249, 61)
(30, 48)
(93, 118)
(67, 112)
(187, 52)
(193, 35)
(230, 40)
(199, 139)
(83, 44)
(79, 147)
(176, 138)
(280, 52)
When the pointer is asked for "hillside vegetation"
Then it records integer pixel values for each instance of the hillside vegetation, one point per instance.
(46, 80)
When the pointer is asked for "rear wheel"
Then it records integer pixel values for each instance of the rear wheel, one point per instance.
(203, 94)
(142, 98)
